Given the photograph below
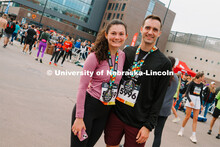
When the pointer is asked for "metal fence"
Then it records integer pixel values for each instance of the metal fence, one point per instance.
(196, 40)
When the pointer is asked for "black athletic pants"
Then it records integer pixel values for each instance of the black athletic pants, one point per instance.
(55, 54)
(95, 117)
(60, 54)
(159, 130)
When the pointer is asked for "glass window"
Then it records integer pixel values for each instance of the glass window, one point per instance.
(113, 5)
(116, 6)
(122, 16)
(113, 16)
(123, 7)
(109, 16)
(151, 6)
(105, 15)
(103, 25)
(118, 15)
(109, 6)
(119, 7)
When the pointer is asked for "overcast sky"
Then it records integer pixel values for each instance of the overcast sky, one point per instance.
(200, 17)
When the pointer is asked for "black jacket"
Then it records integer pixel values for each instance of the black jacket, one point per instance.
(206, 94)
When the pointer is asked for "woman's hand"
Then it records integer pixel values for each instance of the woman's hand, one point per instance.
(78, 125)
(191, 104)
(201, 107)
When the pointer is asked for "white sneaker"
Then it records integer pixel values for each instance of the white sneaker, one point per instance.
(70, 61)
(175, 120)
(180, 132)
(193, 139)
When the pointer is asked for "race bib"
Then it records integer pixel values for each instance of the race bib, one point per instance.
(108, 95)
(128, 98)
(197, 90)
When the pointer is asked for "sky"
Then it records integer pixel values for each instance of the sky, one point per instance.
(200, 17)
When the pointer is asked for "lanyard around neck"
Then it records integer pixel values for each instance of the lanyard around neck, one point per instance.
(136, 67)
(112, 69)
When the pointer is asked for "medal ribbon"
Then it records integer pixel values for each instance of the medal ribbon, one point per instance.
(136, 67)
(112, 69)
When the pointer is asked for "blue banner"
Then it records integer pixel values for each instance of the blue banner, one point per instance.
(6, 10)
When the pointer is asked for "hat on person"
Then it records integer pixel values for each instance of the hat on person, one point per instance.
(212, 82)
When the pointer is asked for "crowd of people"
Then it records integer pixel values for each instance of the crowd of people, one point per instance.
(130, 105)
(32, 36)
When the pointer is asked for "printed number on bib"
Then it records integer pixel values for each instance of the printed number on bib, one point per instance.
(128, 98)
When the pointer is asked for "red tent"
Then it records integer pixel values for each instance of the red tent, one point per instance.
(181, 66)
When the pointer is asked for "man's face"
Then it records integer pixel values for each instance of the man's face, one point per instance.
(150, 31)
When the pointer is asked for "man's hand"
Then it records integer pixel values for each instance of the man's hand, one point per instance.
(191, 104)
(142, 135)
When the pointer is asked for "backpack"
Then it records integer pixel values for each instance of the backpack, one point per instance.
(10, 28)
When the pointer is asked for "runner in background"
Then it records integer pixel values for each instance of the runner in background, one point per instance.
(193, 103)
(58, 46)
(30, 34)
(10, 28)
(67, 47)
(44, 38)
(3, 24)
(15, 33)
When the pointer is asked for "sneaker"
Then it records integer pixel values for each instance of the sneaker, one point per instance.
(193, 139)
(218, 136)
(70, 61)
(4, 46)
(49, 63)
(40, 60)
(175, 120)
(30, 53)
(180, 132)
(209, 132)
(36, 59)
(55, 64)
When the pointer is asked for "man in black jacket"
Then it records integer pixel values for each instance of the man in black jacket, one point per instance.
(140, 96)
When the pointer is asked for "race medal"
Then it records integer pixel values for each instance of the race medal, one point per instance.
(107, 96)
(129, 85)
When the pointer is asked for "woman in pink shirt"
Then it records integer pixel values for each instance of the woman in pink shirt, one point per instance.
(98, 87)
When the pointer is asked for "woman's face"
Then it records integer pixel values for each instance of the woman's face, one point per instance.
(116, 36)
(212, 85)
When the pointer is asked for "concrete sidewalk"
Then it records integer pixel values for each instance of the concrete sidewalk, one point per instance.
(35, 108)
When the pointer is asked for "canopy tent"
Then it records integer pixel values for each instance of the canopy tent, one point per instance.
(181, 66)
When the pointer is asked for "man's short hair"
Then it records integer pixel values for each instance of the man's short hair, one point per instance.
(155, 17)
(32, 25)
(5, 16)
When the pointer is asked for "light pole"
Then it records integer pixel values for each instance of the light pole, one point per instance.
(43, 11)
(164, 18)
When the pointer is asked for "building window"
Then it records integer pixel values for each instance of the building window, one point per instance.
(122, 16)
(109, 16)
(123, 7)
(118, 15)
(218, 63)
(213, 75)
(113, 16)
(119, 7)
(109, 6)
(167, 51)
(212, 62)
(116, 6)
(195, 57)
(191, 68)
(206, 60)
(201, 59)
(197, 70)
(113, 5)
(171, 51)
(207, 73)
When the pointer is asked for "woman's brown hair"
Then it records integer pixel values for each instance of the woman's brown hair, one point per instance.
(101, 44)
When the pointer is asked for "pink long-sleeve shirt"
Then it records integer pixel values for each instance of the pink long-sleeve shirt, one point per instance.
(95, 82)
